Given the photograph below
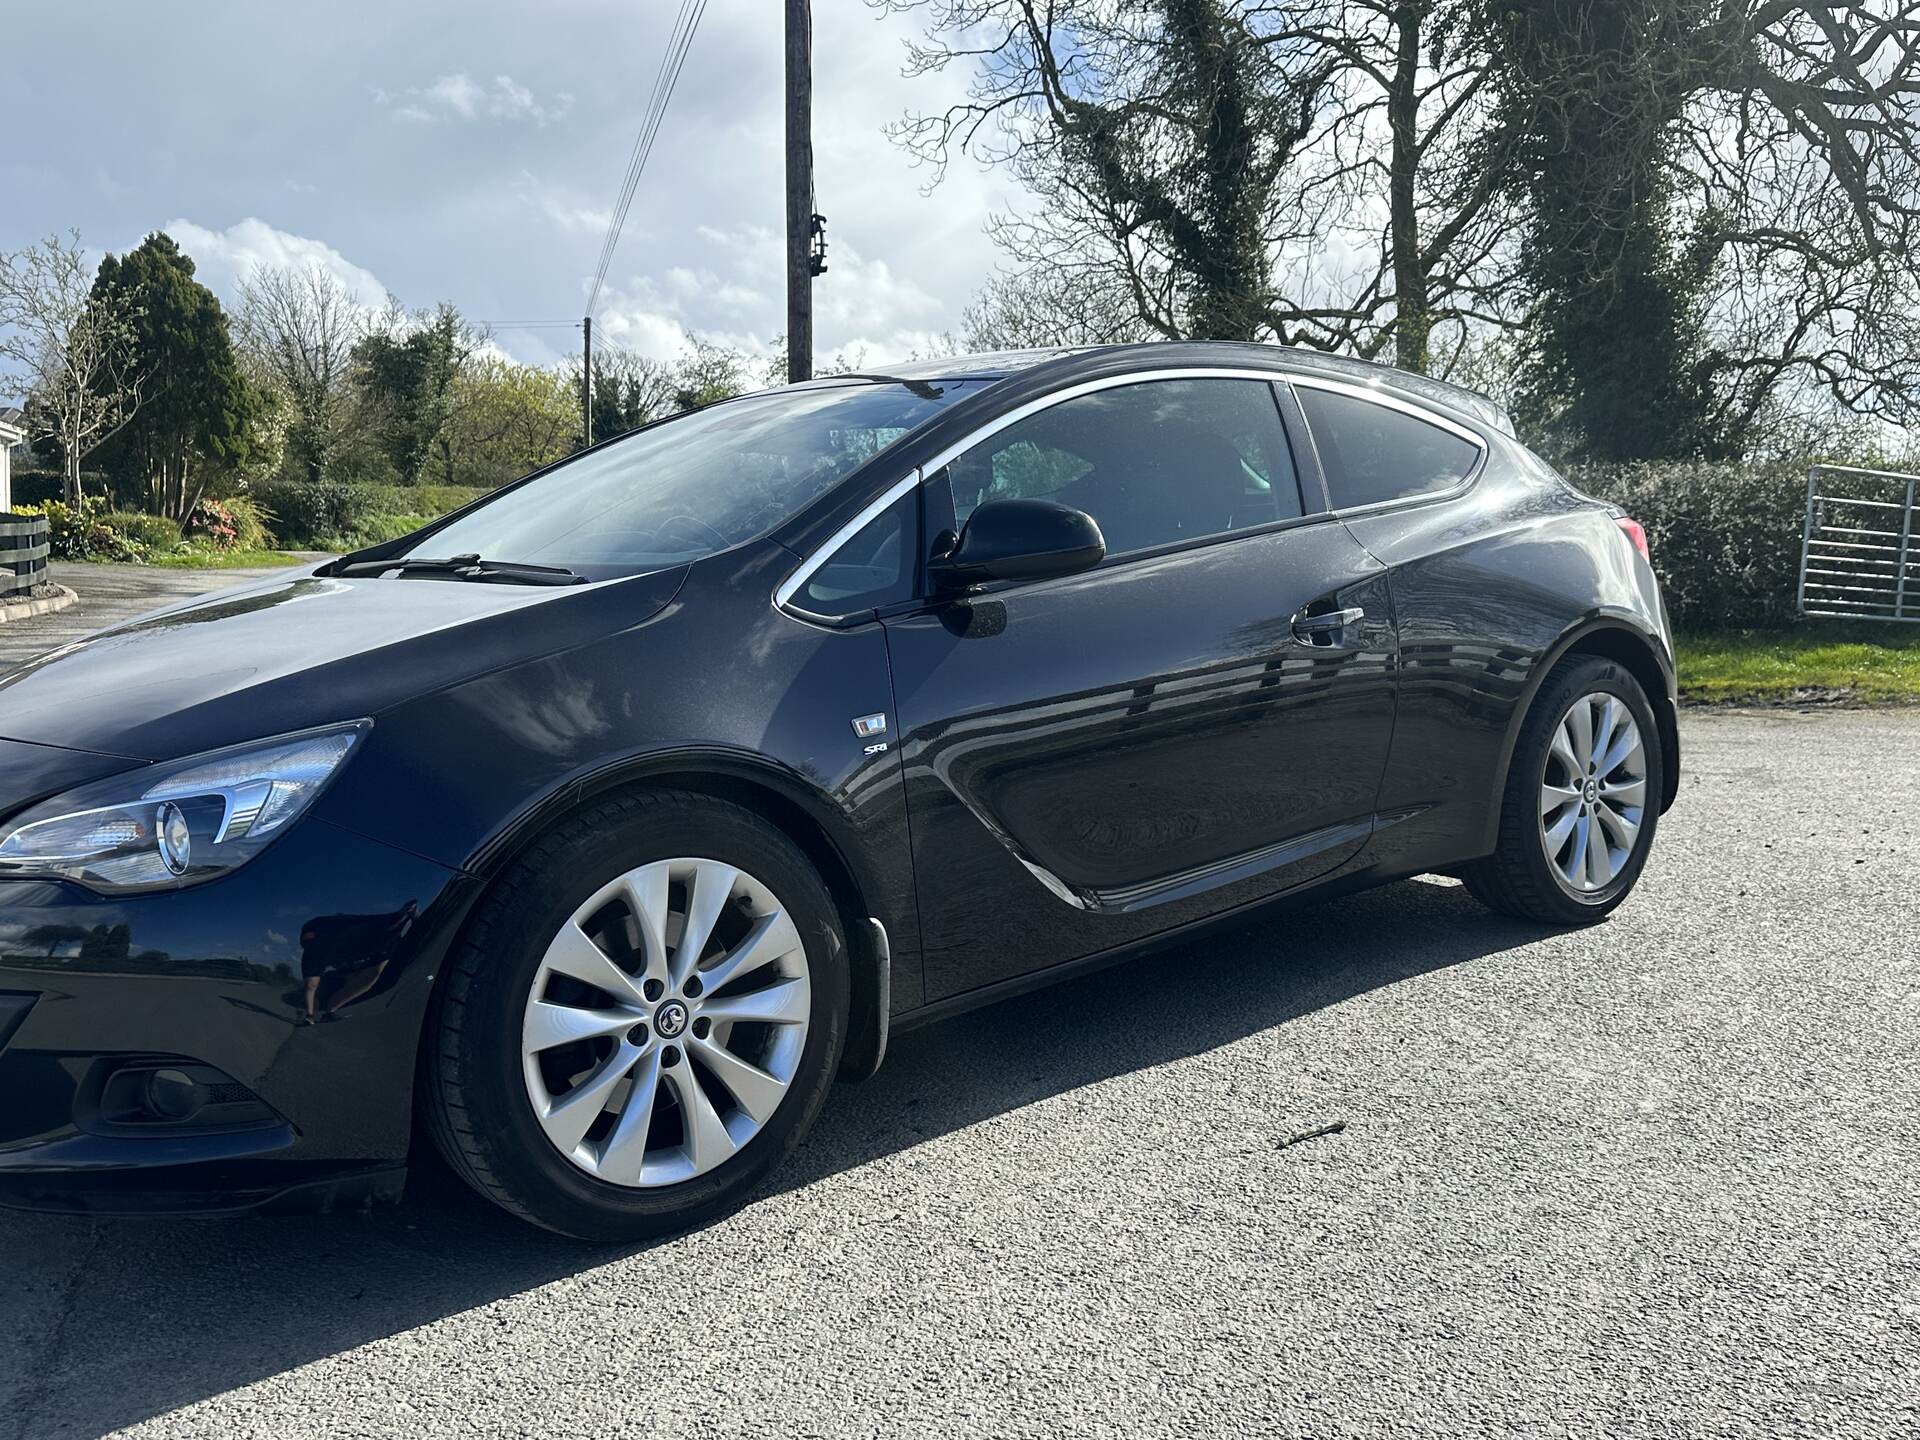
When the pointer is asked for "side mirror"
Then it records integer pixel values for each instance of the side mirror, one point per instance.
(1019, 540)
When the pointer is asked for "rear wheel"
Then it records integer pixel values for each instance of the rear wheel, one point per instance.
(1581, 803)
(641, 1021)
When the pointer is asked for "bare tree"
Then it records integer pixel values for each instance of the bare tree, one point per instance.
(1723, 213)
(298, 329)
(1153, 136)
(1801, 174)
(1076, 301)
(77, 350)
(1397, 217)
(1311, 171)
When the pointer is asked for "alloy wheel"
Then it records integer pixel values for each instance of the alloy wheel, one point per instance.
(666, 1022)
(1593, 794)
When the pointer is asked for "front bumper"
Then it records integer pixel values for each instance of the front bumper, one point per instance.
(286, 999)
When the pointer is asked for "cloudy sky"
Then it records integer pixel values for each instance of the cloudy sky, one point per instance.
(471, 152)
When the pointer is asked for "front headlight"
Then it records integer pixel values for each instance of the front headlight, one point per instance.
(177, 823)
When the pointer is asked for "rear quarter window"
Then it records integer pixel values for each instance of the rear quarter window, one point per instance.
(1371, 453)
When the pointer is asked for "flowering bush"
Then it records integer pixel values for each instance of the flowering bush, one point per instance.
(214, 522)
(78, 532)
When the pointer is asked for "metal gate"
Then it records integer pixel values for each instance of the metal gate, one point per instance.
(1858, 555)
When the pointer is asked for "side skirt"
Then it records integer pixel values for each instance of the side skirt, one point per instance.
(1361, 873)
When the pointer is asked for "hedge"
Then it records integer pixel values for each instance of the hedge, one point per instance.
(429, 500)
(305, 513)
(1725, 537)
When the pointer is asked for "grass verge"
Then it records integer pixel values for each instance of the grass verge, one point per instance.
(197, 558)
(1821, 660)
(223, 559)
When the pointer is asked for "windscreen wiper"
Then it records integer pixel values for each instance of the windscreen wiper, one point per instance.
(466, 567)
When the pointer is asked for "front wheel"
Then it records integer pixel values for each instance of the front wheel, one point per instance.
(642, 1019)
(1581, 802)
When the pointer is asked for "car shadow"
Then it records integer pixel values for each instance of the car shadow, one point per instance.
(138, 1318)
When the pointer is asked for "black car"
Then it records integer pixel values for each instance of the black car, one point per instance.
(596, 828)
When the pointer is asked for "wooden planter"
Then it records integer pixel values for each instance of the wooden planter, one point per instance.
(23, 554)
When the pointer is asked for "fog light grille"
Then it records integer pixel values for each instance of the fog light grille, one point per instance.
(148, 1096)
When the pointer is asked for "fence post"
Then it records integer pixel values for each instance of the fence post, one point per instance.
(1806, 544)
(1905, 556)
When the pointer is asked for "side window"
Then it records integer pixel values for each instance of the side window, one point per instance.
(1371, 453)
(1154, 463)
(875, 567)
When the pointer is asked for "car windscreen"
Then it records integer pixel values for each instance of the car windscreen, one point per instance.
(694, 485)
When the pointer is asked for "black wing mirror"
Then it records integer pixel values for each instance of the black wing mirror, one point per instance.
(1019, 540)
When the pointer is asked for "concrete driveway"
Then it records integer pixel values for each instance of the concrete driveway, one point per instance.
(1653, 1178)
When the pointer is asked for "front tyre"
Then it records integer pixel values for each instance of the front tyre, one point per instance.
(641, 1020)
(1581, 803)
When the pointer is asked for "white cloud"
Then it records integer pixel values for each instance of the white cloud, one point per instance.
(224, 258)
(859, 304)
(639, 322)
(563, 209)
(704, 286)
(478, 203)
(460, 97)
(857, 295)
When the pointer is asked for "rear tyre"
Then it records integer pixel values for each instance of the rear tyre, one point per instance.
(1582, 799)
(640, 1021)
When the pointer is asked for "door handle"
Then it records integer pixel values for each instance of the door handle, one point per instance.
(1324, 629)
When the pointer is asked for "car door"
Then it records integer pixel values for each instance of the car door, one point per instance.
(1197, 723)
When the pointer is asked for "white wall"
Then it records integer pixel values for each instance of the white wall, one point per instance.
(7, 441)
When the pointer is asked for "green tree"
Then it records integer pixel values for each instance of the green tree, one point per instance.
(506, 420)
(407, 371)
(1723, 215)
(1591, 96)
(197, 406)
(629, 390)
(707, 372)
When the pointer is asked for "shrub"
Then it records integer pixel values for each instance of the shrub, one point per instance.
(37, 487)
(432, 501)
(313, 513)
(212, 522)
(252, 525)
(378, 529)
(80, 532)
(1725, 537)
(154, 532)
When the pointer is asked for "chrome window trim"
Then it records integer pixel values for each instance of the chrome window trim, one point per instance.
(1088, 387)
(789, 587)
(1378, 395)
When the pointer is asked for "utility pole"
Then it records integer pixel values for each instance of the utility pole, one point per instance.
(586, 381)
(799, 192)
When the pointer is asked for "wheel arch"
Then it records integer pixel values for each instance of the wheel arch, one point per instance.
(785, 800)
(1625, 642)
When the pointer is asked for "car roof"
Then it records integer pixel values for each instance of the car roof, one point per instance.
(1002, 364)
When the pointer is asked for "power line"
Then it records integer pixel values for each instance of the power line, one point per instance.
(677, 48)
(679, 41)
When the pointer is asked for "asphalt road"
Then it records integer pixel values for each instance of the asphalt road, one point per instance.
(1654, 1178)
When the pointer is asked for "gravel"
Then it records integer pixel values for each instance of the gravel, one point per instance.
(1654, 1178)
